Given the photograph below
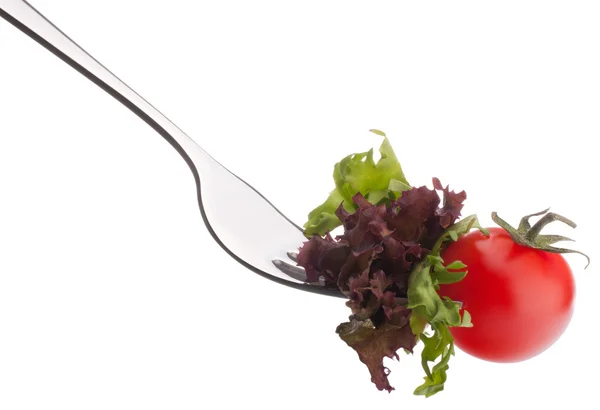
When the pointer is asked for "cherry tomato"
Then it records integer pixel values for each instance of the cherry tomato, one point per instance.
(520, 299)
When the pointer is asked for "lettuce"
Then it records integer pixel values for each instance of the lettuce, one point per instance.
(358, 173)
(388, 263)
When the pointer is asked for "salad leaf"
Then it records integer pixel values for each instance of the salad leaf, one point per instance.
(390, 277)
(440, 313)
(411, 212)
(424, 299)
(323, 257)
(358, 173)
(440, 344)
(453, 204)
(388, 263)
(373, 343)
(456, 230)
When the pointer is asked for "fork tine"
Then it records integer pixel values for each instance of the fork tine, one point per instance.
(292, 271)
(293, 256)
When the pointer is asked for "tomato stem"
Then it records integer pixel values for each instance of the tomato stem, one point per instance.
(527, 235)
(535, 230)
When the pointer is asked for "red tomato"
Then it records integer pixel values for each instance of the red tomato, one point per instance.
(520, 299)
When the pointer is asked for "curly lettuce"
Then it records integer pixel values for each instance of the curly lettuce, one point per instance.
(388, 263)
(358, 173)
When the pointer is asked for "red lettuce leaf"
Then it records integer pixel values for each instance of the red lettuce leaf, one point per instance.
(371, 263)
(409, 213)
(453, 204)
(373, 344)
(364, 229)
(323, 258)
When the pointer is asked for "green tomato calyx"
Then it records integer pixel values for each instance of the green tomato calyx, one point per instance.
(529, 236)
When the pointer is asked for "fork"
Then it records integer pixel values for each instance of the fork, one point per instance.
(241, 220)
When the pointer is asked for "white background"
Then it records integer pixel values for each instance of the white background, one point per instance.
(114, 296)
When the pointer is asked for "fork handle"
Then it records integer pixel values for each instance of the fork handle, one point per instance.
(26, 18)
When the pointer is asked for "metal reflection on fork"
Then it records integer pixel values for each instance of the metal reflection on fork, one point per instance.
(242, 221)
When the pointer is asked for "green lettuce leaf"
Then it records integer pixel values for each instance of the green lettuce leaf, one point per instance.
(388, 263)
(440, 313)
(441, 345)
(359, 173)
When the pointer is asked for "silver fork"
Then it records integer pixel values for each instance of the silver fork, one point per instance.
(242, 221)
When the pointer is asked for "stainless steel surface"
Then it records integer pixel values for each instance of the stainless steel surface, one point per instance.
(248, 227)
